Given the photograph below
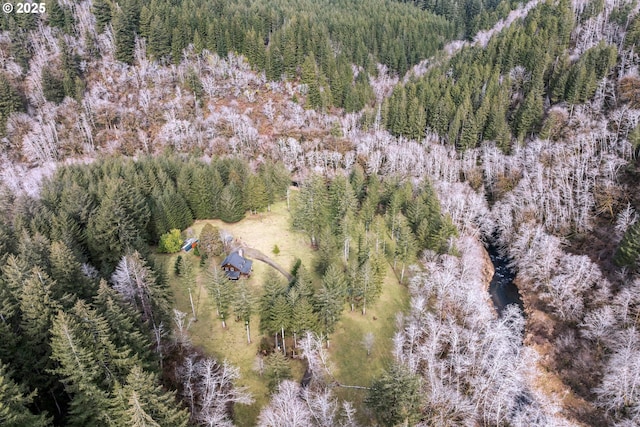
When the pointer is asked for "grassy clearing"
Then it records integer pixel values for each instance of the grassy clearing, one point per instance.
(352, 366)
(262, 232)
(231, 343)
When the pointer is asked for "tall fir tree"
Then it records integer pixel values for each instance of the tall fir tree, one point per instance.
(628, 253)
(37, 308)
(273, 288)
(255, 194)
(142, 401)
(159, 43)
(52, 86)
(118, 225)
(122, 318)
(329, 299)
(139, 285)
(124, 35)
(395, 397)
(310, 211)
(102, 11)
(221, 291)
(10, 100)
(280, 318)
(244, 305)
(304, 318)
(80, 373)
(277, 370)
(231, 204)
(14, 404)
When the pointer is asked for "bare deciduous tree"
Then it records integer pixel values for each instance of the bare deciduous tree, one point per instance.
(286, 408)
(209, 388)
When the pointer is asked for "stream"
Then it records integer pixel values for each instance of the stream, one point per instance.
(502, 289)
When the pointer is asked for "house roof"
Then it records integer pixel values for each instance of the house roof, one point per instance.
(238, 262)
(233, 274)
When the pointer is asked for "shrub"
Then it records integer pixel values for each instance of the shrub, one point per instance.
(177, 267)
(170, 242)
(210, 243)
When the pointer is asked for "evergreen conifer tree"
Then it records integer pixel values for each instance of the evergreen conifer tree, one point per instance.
(141, 401)
(231, 204)
(281, 318)
(124, 34)
(10, 101)
(328, 300)
(277, 370)
(395, 397)
(56, 15)
(255, 194)
(67, 272)
(80, 373)
(304, 318)
(244, 303)
(159, 43)
(273, 288)
(628, 253)
(102, 12)
(310, 213)
(221, 291)
(304, 283)
(52, 86)
(14, 404)
(122, 318)
(136, 281)
(37, 308)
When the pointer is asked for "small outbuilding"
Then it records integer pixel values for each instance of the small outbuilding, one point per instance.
(236, 266)
(190, 244)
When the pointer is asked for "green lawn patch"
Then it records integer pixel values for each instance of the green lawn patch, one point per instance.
(230, 343)
(352, 365)
(262, 232)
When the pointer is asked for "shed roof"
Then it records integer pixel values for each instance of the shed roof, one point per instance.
(189, 243)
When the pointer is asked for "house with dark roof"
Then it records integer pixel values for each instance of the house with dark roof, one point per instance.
(236, 266)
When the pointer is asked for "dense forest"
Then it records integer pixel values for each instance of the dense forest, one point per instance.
(497, 92)
(406, 135)
(88, 333)
(318, 42)
(101, 333)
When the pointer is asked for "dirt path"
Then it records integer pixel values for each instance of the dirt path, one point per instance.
(256, 254)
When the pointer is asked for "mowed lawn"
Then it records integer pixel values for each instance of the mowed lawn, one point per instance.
(352, 366)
